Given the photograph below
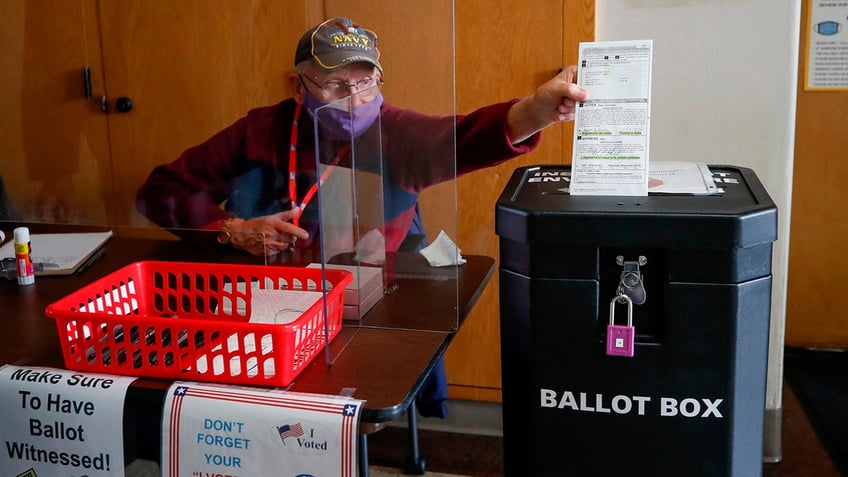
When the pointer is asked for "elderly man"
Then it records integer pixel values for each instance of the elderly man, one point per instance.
(262, 167)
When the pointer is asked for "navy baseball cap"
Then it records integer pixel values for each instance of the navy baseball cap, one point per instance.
(336, 43)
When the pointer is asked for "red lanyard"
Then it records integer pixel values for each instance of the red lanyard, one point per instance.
(293, 171)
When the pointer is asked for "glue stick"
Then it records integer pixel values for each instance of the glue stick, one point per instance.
(23, 257)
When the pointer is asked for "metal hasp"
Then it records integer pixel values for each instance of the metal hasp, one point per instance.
(631, 283)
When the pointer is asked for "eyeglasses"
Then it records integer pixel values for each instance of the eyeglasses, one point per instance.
(366, 89)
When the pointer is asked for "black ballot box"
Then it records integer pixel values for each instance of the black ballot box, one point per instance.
(697, 271)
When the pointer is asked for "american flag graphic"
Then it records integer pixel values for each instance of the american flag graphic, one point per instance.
(285, 431)
(347, 410)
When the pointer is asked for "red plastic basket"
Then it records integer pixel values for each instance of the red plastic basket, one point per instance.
(190, 321)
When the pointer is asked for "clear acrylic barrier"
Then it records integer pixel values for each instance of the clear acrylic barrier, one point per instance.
(366, 224)
(72, 158)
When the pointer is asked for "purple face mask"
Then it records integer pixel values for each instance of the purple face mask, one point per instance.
(338, 123)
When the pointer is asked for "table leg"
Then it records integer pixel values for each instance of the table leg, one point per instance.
(363, 455)
(415, 464)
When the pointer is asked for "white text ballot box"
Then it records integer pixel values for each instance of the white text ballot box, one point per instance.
(60, 422)
(242, 432)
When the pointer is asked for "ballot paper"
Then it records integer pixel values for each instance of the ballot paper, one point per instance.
(679, 177)
(612, 127)
(239, 431)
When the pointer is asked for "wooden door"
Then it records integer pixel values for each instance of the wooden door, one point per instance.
(54, 153)
(817, 305)
(190, 68)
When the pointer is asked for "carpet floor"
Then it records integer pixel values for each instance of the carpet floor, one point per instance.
(819, 379)
(814, 431)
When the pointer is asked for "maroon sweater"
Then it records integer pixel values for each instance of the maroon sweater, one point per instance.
(417, 151)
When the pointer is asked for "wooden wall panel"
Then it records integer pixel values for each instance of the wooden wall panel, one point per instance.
(191, 69)
(504, 50)
(415, 40)
(54, 153)
(417, 53)
(816, 304)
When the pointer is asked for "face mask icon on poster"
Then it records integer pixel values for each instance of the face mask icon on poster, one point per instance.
(828, 28)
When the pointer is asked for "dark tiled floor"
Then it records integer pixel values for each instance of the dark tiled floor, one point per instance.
(803, 454)
(482, 456)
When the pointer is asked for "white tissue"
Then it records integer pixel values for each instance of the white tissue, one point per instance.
(443, 252)
(371, 248)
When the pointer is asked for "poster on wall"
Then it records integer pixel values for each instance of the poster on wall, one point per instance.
(827, 46)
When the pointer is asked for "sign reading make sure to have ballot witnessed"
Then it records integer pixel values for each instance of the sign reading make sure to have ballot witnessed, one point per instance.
(218, 430)
(61, 423)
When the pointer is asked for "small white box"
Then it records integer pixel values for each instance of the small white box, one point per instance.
(364, 291)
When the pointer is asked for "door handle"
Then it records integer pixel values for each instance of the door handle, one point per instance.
(124, 104)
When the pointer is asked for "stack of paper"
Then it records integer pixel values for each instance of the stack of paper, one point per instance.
(267, 306)
(678, 177)
(364, 291)
(62, 254)
(280, 307)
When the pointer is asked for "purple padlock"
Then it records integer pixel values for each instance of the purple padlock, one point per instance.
(621, 339)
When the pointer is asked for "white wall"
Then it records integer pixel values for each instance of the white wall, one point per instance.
(724, 88)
